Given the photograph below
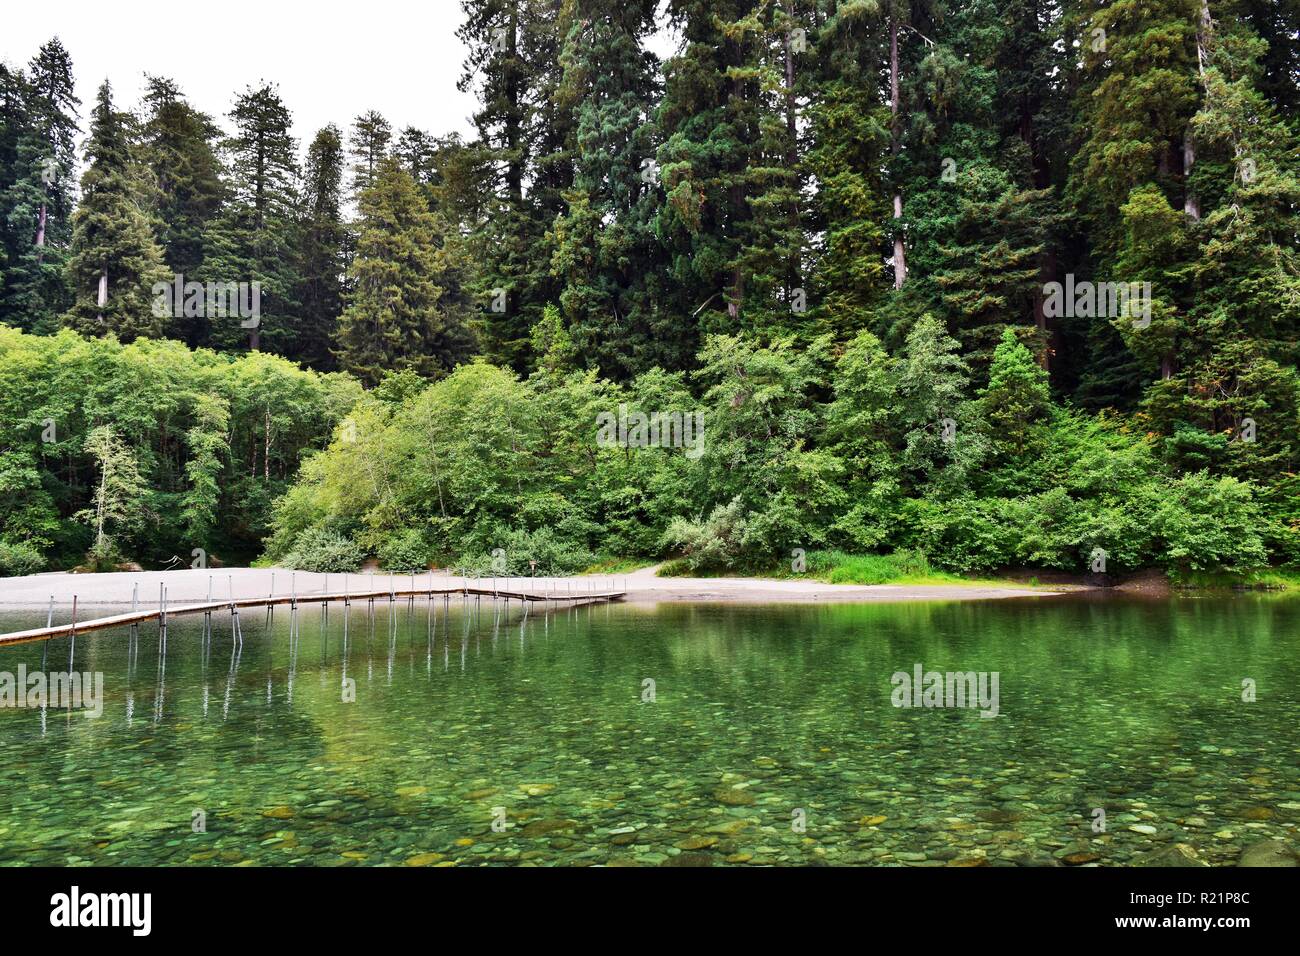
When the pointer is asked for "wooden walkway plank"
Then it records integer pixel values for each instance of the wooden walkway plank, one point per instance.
(140, 617)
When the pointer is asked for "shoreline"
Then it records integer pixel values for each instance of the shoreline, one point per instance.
(115, 589)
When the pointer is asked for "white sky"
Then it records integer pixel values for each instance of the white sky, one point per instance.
(331, 59)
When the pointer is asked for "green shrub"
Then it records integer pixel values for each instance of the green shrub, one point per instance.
(836, 567)
(676, 568)
(408, 550)
(102, 558)
(325, 551)
(513, 550)
(1209, 524)
(965, 534)
(18, 558)
(715, 544)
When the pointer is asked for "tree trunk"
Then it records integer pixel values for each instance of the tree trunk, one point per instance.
(791, 141)
(1049, 327)
(515, 168)
(1202, 36)
(40, 234)
(736, 193)
(99, 510)
(101, 299)
(1192, 205)
(900, 260)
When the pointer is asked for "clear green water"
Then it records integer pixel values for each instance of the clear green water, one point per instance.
(1130, 706)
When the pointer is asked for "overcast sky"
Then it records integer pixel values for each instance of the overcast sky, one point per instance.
(331, 60)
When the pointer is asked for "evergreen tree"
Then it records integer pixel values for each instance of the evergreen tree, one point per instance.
(37, 190)
(1277, 24)
(861, 432)
(847, 153)
(977, 228)
(1032, 70)
(1016, 398)
(254, 237)
(408, 308)
(459, 180)
(605, 251)
(1228, 404)
(941, 426)
(498, 68)
(989, 270)
(322, 237)
(178, 145)
(115, 261)
(1135, 99)
(367, 146)
(711, 160)
(772, 239)
(13, 120)
(417, 150)
(551, 130)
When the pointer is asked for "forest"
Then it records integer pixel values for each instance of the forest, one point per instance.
(978, 285)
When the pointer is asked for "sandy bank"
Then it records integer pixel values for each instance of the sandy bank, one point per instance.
(185, 586)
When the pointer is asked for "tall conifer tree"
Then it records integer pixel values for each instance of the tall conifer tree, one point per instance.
(322, 236)
(408, 308)
(115, 261)
(604, 249)
(38, 192)
(254, 238)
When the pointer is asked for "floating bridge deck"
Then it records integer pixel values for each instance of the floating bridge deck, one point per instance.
(509, 592)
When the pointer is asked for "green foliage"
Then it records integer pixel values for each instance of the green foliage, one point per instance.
(605, 254)
(323, 551)
(1205, 523)
(117, 501)
(177, 144)
(114, 256)
(900, 567)
(718, 543)
(408, 550)
(860, 432)
(406, 309)
(932, 382)
(1016, 396)
(200, 444)
(38, 167)
(525, 135)
(17, 558)
(553, 552)
(254, 236)
(822, 230)
(552, 343)
(322, 247)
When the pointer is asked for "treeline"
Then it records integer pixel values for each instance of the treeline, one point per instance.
(526, 482)
(165, 194)
(801, 177)
(149, 451)
(798, 167)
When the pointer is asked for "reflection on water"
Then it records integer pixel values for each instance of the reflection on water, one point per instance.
(682, 734)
